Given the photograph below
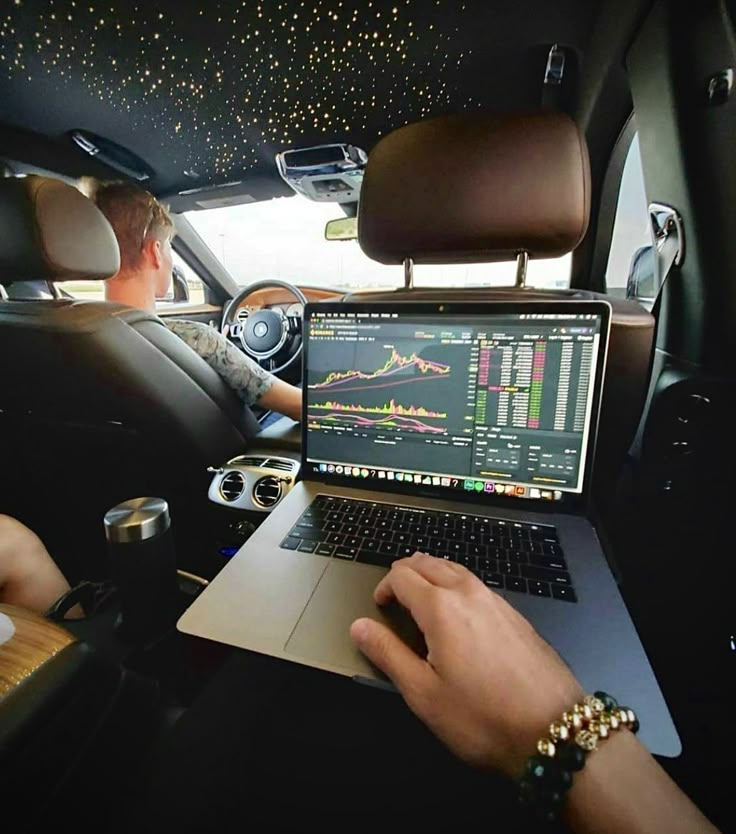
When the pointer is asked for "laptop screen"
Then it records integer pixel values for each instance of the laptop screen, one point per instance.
(497, 400)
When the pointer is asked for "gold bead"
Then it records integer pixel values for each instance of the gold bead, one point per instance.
(584, 711)
(572, 720)
(545, 747)
(613, 721)
(622, 715)
(558, 731)
(586, 740)
(632, 716)
(595, 704)
(597, 727)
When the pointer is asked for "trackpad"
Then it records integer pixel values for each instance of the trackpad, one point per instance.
(344, 593)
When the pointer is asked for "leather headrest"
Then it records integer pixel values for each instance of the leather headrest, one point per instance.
(476, 188)
(49, 230)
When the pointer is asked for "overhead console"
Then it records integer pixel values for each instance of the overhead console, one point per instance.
(324, 173)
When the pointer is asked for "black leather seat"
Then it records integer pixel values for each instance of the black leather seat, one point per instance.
(98, 402)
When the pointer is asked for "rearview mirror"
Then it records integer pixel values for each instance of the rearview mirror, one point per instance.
(344, 228)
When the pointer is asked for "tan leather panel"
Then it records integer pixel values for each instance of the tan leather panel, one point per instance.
(277, 295)
(476, 188)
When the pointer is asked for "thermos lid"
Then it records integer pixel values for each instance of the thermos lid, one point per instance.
(136, 520)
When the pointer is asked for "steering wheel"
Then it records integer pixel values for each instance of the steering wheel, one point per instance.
(266, 334)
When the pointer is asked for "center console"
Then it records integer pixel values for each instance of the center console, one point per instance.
(247, 487)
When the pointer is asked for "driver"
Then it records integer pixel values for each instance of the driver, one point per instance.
(144, 231)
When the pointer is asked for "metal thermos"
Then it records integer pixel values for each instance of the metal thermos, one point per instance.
(143, 567)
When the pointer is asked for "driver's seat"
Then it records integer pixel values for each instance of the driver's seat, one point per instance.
(98, 402)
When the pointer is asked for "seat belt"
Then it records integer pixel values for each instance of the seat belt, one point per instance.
(669, 249)
(668, 237)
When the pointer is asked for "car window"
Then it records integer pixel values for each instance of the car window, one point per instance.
(284, 238)
(194, 284)
(631, 253)
(95, 290)
(85, 290)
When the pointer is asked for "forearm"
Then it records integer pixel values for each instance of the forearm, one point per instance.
(284, 398)
(622, 790)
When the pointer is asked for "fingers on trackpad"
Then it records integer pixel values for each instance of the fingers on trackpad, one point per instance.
(344, 594)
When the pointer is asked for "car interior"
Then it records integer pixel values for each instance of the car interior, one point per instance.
(353, 152)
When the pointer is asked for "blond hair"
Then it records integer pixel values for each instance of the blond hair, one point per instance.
(135, 215)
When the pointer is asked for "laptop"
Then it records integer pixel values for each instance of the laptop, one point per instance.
(464, 431)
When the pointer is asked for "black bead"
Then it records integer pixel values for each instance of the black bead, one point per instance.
(548, 774)
(609, 702)
(528, 794)
(546, 815)
(538, 767)
(551, 799)
(570, 756)
(563, 780)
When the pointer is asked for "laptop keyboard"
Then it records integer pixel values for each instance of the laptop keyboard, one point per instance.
(526, 558)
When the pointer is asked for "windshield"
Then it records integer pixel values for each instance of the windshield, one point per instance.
(285, 239)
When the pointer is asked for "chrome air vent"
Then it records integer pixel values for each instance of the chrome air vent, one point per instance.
(267, 491)
(246, 460)
(232, 486)
(280, 464)
(241, 315)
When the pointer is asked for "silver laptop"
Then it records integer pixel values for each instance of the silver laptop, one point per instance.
(467, 432)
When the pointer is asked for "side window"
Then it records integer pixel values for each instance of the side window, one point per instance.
(630, 270)
(186, 288)
(85, 290)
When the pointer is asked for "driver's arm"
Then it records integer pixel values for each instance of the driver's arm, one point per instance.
(246, 377)
(284, 398)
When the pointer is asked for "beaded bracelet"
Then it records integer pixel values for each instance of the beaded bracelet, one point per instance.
(548, 774)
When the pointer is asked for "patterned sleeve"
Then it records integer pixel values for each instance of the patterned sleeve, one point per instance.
(245, 376)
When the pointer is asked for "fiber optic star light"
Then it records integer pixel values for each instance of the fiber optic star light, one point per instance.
(225, 85)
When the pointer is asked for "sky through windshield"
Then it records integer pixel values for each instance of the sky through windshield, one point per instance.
(284, 239)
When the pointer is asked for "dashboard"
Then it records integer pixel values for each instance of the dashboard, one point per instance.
(278, 297)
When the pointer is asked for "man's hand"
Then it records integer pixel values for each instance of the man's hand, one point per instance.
(489, 686)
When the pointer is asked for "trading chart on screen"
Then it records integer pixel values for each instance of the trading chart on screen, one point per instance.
(504, 398)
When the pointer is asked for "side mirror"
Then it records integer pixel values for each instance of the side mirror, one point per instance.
(344, 228)
(179, 283)
(642, 281)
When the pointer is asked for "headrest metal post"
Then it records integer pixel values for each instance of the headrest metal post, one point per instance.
(408, 273)
(3, 293)
(522, 264)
